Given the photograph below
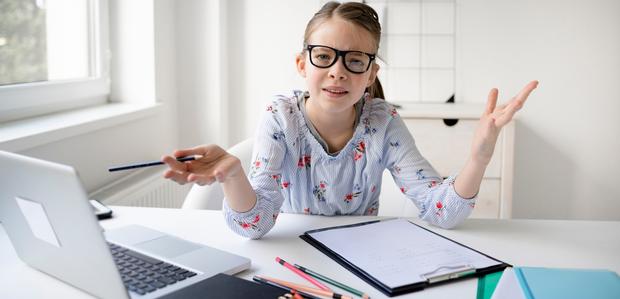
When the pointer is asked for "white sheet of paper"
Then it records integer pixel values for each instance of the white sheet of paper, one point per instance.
(508, 286)
(37, 220)
(399, 253)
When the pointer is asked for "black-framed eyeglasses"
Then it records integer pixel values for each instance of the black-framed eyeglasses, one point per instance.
(356, 62)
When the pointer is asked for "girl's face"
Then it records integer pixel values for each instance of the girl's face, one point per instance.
(335, 89)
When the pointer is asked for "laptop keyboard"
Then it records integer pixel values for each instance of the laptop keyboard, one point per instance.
(143, 274)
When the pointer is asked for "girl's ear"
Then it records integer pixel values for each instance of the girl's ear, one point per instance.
(373, 74)
(300, 61)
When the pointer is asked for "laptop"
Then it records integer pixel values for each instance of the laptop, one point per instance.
(50, 222)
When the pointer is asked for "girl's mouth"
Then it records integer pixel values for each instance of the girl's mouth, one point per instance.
(335, 91)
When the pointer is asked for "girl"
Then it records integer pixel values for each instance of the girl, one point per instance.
(323, 151)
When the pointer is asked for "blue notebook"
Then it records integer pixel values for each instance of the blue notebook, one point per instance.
(547, 283)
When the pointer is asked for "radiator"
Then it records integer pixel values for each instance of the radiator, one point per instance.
(143, 188)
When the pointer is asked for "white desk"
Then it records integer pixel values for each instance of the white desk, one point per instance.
(570, 244)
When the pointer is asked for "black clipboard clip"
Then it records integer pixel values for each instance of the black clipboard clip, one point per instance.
(455, 271)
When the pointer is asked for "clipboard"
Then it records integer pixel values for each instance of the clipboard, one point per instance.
(341, 242)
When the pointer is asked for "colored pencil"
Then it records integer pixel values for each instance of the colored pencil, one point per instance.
(302, 274)
(290, 290)
(303, 288)
(332, 282)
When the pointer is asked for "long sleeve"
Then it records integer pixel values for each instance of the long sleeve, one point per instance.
(436, 198)
(265, 173)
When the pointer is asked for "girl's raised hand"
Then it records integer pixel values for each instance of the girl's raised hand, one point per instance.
(212, 164)
(492, 121)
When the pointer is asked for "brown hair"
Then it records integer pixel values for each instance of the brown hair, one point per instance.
(359, 14)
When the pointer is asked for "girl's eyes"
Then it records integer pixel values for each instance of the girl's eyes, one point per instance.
(324, 57)
(356, 64)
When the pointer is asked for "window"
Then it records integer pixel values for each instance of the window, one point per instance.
(52, 56)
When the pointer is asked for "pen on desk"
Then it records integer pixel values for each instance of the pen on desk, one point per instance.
(332, 282)
(147, 164)
(303, 288)
(302, 274)
(288, 289)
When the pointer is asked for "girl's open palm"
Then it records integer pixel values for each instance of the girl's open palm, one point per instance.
(212, 164)
(492, 121)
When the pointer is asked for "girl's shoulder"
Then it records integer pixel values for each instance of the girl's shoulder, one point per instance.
(283, 105)
(283, 111)
(287, 100)
(379, 111)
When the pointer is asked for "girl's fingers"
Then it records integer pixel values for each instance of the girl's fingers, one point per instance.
(190, 152)
(180, 178)
(200, 179)
(224, 169)
(174, 164)
(491, 101)
(525, 92)
(517, 103)
(201, 171)
(503, 119)
(202, 150)
(509, 111)
(506, 111)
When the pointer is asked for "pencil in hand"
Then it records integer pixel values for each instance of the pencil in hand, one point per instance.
(147, 164)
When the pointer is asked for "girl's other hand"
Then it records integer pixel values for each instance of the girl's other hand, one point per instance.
(492, 121)
(212, 164)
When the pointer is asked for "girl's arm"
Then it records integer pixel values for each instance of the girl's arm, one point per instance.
(468, 181)
(238, 191)
(435, 197)
(493, 119)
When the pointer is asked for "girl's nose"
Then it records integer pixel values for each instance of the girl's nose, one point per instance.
(337, 71)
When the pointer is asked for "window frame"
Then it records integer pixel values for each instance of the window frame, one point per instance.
(19, 101)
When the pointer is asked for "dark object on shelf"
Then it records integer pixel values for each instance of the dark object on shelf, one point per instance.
(450, 121)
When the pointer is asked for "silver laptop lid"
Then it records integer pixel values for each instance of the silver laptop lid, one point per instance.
(46, 214)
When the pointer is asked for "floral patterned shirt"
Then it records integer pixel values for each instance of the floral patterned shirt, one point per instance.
(292, 173)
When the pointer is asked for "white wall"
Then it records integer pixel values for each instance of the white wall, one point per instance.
(567, 145)
(221, 87)
(273, 32)
(567, 135)
(200, 78)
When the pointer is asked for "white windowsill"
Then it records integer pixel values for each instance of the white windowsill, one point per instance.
(28, 133)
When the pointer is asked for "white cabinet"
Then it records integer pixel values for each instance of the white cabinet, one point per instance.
(447, 149)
